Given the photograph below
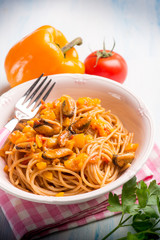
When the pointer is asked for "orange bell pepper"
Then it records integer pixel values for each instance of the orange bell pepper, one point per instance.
(42, 51)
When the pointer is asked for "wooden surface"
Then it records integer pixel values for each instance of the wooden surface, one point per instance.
(135, 25)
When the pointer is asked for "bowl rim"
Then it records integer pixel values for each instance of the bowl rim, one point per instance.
(98, 192)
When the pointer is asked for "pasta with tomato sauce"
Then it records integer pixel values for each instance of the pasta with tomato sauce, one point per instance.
(70, 147)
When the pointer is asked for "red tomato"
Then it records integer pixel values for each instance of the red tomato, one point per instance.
(109, 64)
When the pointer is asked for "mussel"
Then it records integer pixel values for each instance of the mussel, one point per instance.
(51, 142)
(26, 147)
(63, 138)
(122, 159)
(56, 153)
(21, 125)
(68, 106)
(80, 126)
(47, 128)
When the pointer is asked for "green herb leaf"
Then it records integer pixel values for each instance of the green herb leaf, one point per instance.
(145, 215)
(154, 188)
(141, 222)
(115, 205)
(131, 236)
(150, 212)
(143, 194)
(158, 203)
(143, 236)
(152, 201)
(129, 196)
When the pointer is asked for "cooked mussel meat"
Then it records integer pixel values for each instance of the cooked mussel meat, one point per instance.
(63, 138)
(80, 126)
(21, 124)
(47, 128)
(122, 159)
(26, 147)
(68, 106)
(51, 142)
(56, 153)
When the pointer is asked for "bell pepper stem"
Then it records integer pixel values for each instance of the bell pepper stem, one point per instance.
(68, 46)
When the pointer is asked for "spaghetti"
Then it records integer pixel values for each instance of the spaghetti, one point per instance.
(70, 147)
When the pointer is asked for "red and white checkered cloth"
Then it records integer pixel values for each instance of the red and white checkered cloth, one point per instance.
(24, 216)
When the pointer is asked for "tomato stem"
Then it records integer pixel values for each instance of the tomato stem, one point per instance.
(114, 43)
(104, 54)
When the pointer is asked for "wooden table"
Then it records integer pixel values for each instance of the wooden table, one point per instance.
(135, 25)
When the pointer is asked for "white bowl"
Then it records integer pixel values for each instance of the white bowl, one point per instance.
(121, 101)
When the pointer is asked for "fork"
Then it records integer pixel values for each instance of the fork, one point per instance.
(28, 105)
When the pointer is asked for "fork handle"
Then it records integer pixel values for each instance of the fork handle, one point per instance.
(5, 131)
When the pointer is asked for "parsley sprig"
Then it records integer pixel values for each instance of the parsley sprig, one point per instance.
(141, 205)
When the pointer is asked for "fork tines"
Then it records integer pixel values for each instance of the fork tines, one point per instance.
(34, 95)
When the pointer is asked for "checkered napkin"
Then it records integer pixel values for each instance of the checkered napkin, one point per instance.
(29, 219)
